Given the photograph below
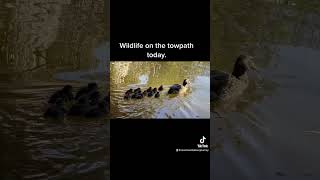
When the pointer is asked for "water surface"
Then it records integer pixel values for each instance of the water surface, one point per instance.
(44, 46)
(272, 132)
(193, 104)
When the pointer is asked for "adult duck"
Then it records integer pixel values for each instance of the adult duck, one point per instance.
(178, 88)
(225, 86)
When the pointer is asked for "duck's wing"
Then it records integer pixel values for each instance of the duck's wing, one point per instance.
(219, 80)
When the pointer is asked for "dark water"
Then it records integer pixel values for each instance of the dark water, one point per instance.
(43, 46)
(272, 132)
(194, 103)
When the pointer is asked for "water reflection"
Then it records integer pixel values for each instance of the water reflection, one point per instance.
(194, 104)
(264, 137)
(43, 46)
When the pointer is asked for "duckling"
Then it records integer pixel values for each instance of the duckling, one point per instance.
(91, 87)
(137, 90)
(145, 92)
(154, 90)
(226, 86)
(94, 98)
(81, 107)
(129, 91)
(127, 96)
(56, 110)
(160, 88)
(149, 89)
(100, 110)
(157, 95)
(177, 88)
(65, 93)
(137, 95)
(150, 94)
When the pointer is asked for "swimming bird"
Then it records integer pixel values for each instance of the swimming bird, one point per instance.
(145, 92)
(157, 95)
(137, 90)
(56, 110)
(150, 94)
(154, 90)
(87, 90)
(137, 95)
(177, 88)
(127, 96)
(226, 86)
(94, 97)
(81, 107)
(160, 88)
(100, 110)
(65, 94)
(129, 91)
(149, 89)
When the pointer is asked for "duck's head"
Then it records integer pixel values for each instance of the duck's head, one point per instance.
(242, 65)
(186, 82)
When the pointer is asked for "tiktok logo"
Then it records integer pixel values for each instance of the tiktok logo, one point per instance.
(202, 145)
(202, 139)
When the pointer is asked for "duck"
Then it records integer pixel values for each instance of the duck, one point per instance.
(65, 93)
(129, 91)
(94, 98)
(150, 94)
(154, 90)
(160, 88)
(149, 89)
(157, 95)
(177, 88)
(137, 90)
(137, 95)
(145, 92)
(81, 107)
(127, 96)
(87, 90)
(100, 110)
(56, 110)
(226, 86)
